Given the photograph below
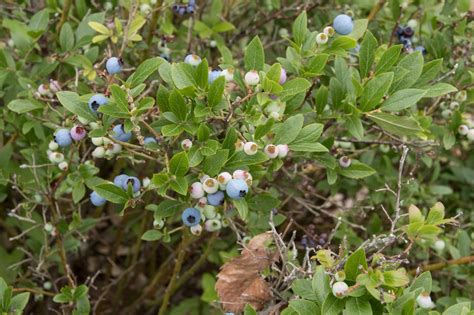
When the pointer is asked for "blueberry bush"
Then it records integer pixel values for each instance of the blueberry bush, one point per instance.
(236, 157)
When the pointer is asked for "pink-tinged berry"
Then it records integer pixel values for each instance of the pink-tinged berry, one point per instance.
(282, 150)
(250, 148)
(345, 162)
(252, 78)
(282, 76)
(78, 133)
(186, 144)
(196, 190)
(340, 288)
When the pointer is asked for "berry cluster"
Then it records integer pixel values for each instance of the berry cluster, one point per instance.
(48, 90)
(406, 37)
(63, 138)
(122, 181)
(182, 9)
(211, 193)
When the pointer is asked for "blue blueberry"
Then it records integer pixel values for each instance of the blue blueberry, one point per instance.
(63, 138)
(132, 180)
(422, 49)
(190, 9)
(149, 140)
(213, 75)
(120, 179)
(405, 40)
(192, 2)
(216, 199)
(191, 217)
(96, 101)
(343, 24)
(96, 199)
(114, 65)
(120, 134)
(400, 30)
(182, 10)
(175, 8)
(237, 188)
(166, 57)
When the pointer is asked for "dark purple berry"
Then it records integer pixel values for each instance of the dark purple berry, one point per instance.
(408, 32)
(400, 30)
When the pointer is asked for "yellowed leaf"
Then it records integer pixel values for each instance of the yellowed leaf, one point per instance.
(99, 38)
(99, 28)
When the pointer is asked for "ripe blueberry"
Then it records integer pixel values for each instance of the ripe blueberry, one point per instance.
(96, 101)
(237, 189)
(149, 140)
(114, 65)
(132, 180)
(216, 199)
(191, 217)
(213, 75)
(96, 199)
(63, 138)
(120, 179)
(120, 134)
(343, 24)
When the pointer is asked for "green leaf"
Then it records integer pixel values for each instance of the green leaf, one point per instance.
(178, 105)
(19, 302)
(388, 59)
(402, 126)
(360, 26)
(304, 289)
(358, 306)
(367, 54)
(293, 87)
(144, 70)
(214, 163)
(357, 170)
(288, 131)
(66, 37)
(223, 27)
(436, 214)
(343, 43)
(374, 90)
(300, 28)
(262, 130)
(354, 263)
(304, 307)
(422, 281)
(320, 284)
(80, 291)
(120, 97)
(111, 192)
(430, 71)
(402, 99)
(413, 66)
(166, 208)
(72, 102)
(240, 159)
(180, 185)
(309, 133)
(354, 126)
(216, 90)
(179, 164)
(21, 106)
(395, 278)
(152, 235)
(439, 89)
(316, 64)
(242, 208)
(462, 308)
(254, 57)
(113, 110)
(182, 75)
(332, 305)
(308, 147)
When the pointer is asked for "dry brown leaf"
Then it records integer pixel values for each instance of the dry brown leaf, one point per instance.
(239, 281)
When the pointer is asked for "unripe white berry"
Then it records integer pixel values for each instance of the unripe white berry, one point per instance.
(53, 145)
(412, 23)
(63, 166)
(461, 96)
(447, 113)
(193, 60)
(196, 229)
(106, 141)
(196, 190)
(186, 144)
(202, 202)
(329, 31)
(54, 86)
(48, 227)
(203, 178)
(98, 152)
(44, 90)
(56, 157)
(145, 9)
(212, 225)
(213, 44)
(271, 151)
(424, 300)
(223, 178)
(439, 245)
(454, 105)
(98, 141)
(209, 212)
(470, 134)
(252, 78)
(250, 148)
(116, 148)
(228, 74)
(322, 38)
(210, 185)
(463, 130)
(158, 223)
(340, 276)
(275, 115)
(282, 150)
(339, 288)
(47, 285)
(146, 182)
